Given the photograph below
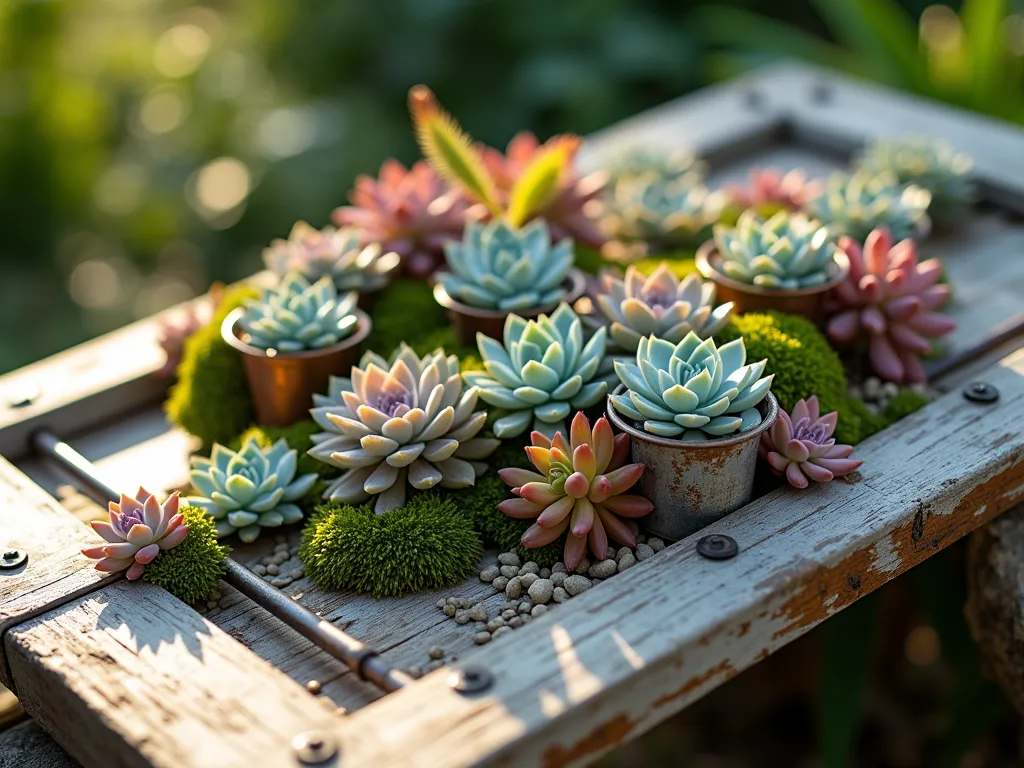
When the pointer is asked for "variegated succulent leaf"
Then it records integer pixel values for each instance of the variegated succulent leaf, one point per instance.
(296, 315)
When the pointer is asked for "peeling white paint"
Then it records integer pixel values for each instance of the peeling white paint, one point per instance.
(885, 557)
(981, 511)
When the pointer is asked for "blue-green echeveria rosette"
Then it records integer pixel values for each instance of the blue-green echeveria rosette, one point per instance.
(692, 390)
(398, 423)
(501, 268)
(541, 373)
(297, 315)
(250, 490)
(855, 204)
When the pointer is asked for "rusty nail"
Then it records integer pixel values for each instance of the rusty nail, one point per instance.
(12, 558)
(981, 392)
(314, 747)
(717, 546)
(470, 680)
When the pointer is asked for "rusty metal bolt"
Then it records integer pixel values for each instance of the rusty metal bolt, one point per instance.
(11, 558)
(981, 392)
(471, 680)
(717, 546)
(314, 747)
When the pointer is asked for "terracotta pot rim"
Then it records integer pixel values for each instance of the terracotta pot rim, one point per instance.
(227, 332)
(575, 284)
(709, 250)
(767, 420)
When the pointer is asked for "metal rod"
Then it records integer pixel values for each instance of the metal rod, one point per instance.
(361, 659)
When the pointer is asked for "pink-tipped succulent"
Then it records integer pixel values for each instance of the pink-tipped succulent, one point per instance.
(770, 187)
(580, 490)
(572, 212)
(176, 328)
(139, 529)
(411, 212)
(890, 298)
(801, 447)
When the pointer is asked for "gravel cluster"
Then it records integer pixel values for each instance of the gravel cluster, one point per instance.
(876, 393)
(271, 569)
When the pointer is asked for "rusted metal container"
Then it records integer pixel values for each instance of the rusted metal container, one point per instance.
(693, 484)
(467, 320)
(806, 302)
(282, 384)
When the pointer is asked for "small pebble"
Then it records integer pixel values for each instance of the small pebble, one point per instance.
(643, 551)
(515, 622)
(442, 603)
(298, 573)
(462, 617)
(490, 573)
(529, 567)
(603, 569)
(281, 546)
(435, 664)
(509, 571)
(415, 671)
(541, 591)
(466, 603)
(495, 624)
(873, 408)
(482, 637)
(279, 558)
(577, 584)
(656, 544)
(513, 589)
(501, 631)
(627, 561)
(528, 579)
(500, 583)
(583, 567)
(211, 604)
(558, 568)
(872, 386)
(273, 570)
(509, 605)
(559, 595)
(453, 601)
(621, 552)
(558, 578)
(449, 610)
(919, 387)
(216, 595)
(508, 614)
(525, 606)
(281, 581)
(437, 652)
(596, 581)
(314, 687)
(509, 558)
(545, 573)
(260, 569)
(478, 612)
(610, 554)
(855, 391)
(538, 611)
(269, 578)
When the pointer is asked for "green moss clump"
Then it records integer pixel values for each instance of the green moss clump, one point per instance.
(407, 312)
(682, 263)
(190, 571)
(211, 397)
(426, 544)
(905, 402)
(588, 259)
(801, 358)
(856, 422)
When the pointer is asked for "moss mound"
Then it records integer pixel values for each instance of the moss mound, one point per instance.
(802, 360)
(426, 544)
(190, 571)
(297, 436)
(407, 312)
(905, 402)
(681, 263)
(211, 397)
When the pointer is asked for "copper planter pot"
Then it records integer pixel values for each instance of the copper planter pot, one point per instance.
(467, 320)
(806, 302)
(693, 484)
(283, 384)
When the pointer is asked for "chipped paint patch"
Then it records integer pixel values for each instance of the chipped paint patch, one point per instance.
(724, 668)
(886, 558)
(594, 744)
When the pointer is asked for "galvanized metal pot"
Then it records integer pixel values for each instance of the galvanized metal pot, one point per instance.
(806, 302)
(693, 484)
(282, 384)
(467, 320)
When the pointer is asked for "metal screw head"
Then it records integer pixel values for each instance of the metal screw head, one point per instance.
(717, 546)
(470, 679)
(314, 747)
(12, 558)
(981, 392)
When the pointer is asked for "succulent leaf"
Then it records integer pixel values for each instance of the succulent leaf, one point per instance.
(337, 253)
(296, 315)
(538, 184)
(800, 446)
(855, 204)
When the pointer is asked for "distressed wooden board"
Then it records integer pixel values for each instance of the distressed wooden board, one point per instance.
(55, 572)
(129, 676)
(613, 662)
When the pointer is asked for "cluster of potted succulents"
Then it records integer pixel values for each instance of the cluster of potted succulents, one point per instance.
(641, 408)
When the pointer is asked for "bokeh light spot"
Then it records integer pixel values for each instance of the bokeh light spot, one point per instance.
(220, 186)
(163, 110)
(95, 284)
(922, 646)
(180, 50)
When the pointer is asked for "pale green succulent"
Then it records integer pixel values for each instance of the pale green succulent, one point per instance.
(662, 212)
(542, 372)
(693, 389)
(855, 204)
(249, 490)
(296, 316)
(398, 423)
(788, 251)
(932, 164)
(660, 304)
(667, 165)
(501, 268)
(337, 253)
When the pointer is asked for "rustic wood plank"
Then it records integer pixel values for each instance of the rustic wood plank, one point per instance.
(129, 676)
(625, 655)
(55, 571)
